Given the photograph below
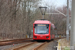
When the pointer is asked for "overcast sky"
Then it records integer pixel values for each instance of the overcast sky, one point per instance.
(57, 3)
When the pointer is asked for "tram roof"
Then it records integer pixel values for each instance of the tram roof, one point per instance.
(42, 22)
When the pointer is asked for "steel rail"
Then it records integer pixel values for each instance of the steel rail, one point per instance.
(23, 46)
(39, 46)
(14, 41)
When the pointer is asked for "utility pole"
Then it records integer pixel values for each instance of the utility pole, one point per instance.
(72, 35)
(67, 29)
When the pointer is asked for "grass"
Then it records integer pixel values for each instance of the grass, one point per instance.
(66, 48)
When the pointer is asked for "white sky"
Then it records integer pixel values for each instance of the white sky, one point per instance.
(57, 3)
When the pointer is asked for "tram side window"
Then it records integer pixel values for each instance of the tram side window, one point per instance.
(52, 30)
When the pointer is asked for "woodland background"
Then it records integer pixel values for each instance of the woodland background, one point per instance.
(17, 17)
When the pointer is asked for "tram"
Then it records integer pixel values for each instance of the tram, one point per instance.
(43, 30)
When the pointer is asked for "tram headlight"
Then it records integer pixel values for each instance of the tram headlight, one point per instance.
(35, 37)
(47, 37)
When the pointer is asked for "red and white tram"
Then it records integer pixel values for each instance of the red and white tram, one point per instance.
(43, 30)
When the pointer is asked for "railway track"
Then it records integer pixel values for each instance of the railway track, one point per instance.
(39, 46)
(31, 46)
(25, 44)
(14, 41)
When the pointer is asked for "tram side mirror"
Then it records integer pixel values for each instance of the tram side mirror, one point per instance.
(35, 25)
(47, 25)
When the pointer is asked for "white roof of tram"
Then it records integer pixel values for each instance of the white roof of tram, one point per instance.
(42, 22)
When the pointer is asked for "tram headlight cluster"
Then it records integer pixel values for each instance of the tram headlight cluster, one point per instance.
(35, 37)
(47, 37)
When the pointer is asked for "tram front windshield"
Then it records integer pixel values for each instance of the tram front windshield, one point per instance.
(41, 28)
